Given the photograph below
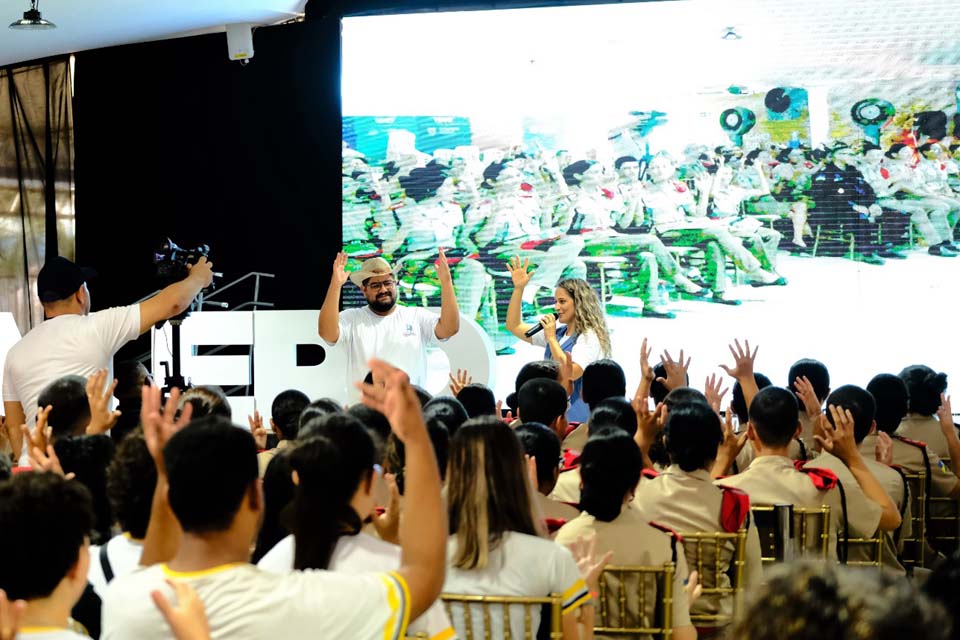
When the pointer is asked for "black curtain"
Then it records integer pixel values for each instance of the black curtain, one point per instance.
(36, 180)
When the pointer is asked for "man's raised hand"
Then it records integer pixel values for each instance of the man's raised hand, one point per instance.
(443, 267)
(339, 275)
(811, 403)
(838, 438)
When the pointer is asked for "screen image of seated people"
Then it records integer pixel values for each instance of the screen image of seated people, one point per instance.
(702, 177)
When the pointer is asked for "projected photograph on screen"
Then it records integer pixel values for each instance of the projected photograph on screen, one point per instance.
(775, 179)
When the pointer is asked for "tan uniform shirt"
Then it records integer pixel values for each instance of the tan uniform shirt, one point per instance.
(772, 480)
(747, 454)
(554, 509)
(925, 429)
(568, 487)
(264, 457)
(806, 431)
(892, 483)
(577, 439)
(910, 457)
(689, 502)
(633, 541)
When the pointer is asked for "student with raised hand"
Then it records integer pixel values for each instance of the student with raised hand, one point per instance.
(611, 466)
(683, 497)
(494, 547)
(926, 388)
(334, 476)
(219, 521)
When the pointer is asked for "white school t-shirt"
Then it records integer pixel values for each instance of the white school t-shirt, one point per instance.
(400, 338)
(245, 603)
(362, 553)
(521, 565)
(65, 345)
(123, 553)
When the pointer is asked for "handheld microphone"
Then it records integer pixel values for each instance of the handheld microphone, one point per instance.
(537, 328)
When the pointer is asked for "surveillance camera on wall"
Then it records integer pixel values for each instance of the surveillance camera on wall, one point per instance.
(240, 42)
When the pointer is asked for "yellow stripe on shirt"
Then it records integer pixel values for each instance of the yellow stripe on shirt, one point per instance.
(171, 573)
(399, 602)
(575, 596)
(446, 634)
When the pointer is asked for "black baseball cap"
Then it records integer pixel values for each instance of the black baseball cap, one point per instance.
(60, 278)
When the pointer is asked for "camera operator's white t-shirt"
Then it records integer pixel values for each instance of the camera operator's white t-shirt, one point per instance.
(65, 345)
(400, 338)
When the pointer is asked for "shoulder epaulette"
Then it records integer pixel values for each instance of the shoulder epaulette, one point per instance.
(554, 524)
(650, 474)
(822, 479)
(571, 427)
(674, 538)
(916, 443)
(571, 459)
(734, 508)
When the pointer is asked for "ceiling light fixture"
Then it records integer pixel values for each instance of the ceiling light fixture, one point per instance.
(32, 20)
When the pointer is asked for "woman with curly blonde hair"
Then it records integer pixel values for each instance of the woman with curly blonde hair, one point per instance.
(578, 327)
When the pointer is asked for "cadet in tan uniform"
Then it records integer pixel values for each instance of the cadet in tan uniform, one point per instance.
(772, 478)
(867, 514)
(895, 486)
(925, 387)
(612, 413)
(684, 498)
(601, 380)
(809, 379)
(541, 444)
(611, 464)
(738, 403)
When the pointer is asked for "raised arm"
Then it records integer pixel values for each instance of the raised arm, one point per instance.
(176, 298)
(423, 528)
(838, 439)
(163, 531)
(328, 324)
(742, 369)
(945, 416)
(449, 322)
(520, 273)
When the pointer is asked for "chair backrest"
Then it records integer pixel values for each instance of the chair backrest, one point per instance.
(636, 601)
(914, 545)
(805, 531)
(943, 521)
(863, 552)
(718, 558)
(500, 614)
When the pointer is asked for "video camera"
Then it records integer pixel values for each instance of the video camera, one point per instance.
(172, 261)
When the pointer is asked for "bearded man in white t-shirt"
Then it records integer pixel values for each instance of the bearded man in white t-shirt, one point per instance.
(73, 341)
(383, 329)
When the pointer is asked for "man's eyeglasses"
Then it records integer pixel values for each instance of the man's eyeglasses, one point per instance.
(379, 286)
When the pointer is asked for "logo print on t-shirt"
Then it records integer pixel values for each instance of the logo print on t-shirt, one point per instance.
(408, 331)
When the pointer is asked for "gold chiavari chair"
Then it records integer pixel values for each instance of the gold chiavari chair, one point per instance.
(806, 531)
(636, 601)
(914, 545)
(718, 558)
(943, 521)
(501, 610)
(863, 552)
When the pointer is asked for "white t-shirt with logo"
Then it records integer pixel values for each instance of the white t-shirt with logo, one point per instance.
(362, 553)
(245, 603)
(400, 338)
(65, 345)
(123, 554)
(521, 565)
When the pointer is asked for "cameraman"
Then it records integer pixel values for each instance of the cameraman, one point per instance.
(71, 340)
